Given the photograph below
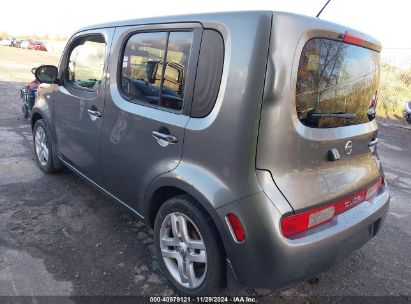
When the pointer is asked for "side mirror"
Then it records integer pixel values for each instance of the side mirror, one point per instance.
(47, 74)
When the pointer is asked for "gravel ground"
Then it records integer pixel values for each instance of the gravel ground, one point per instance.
(58, 236)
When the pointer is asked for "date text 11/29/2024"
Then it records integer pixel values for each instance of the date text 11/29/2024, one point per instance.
(204, 299)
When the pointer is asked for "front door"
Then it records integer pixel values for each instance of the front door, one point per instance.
(79, 101)
(147, 106)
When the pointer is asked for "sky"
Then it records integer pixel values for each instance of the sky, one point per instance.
(386, 20)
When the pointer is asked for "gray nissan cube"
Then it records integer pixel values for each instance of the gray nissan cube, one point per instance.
(247, 140)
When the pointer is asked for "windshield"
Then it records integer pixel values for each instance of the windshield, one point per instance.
(337, 84)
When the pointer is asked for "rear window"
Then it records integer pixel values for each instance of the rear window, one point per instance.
(337, 84)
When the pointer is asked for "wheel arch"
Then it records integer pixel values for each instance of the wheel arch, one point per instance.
(34, 117)
(210, 191)
(171, 184)
(161, 190)
(42, 109)
(158, 198)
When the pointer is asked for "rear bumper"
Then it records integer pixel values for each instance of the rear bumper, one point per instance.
(267, 259)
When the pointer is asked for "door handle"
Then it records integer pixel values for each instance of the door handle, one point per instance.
(373, 142)
(167, 137)
(94, 113)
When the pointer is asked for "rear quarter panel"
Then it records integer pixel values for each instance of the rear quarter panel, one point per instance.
(219, 149)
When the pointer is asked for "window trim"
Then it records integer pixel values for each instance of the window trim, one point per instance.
(197, 30)
(71, 45)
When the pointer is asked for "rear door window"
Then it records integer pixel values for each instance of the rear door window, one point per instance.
(145, 78)
(178, 52)
(141, 76)
(337, 84)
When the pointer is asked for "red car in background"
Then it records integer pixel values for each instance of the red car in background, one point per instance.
(36, 45)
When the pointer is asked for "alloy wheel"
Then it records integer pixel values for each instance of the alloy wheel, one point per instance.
(42, 150)
(183, 250)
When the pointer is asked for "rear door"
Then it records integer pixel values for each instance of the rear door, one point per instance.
(323, 145)
(147, 105)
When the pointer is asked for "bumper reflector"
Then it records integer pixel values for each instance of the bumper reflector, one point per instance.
(236, 227)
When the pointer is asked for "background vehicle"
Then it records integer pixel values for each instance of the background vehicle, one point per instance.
(28, 96)
(407, 111)
(5, 42)
(36, 45)
(25, 44)
(261, 167)
(16, 43)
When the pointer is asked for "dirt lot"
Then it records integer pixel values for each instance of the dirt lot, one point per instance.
(58, 236)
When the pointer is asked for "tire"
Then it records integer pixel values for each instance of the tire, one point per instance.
(199, 231)
(25, 111)
(43, 149)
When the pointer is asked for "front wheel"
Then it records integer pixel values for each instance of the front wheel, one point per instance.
(42, 147)
(25, 111)
(189, 247)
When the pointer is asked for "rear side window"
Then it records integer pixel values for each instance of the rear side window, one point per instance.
(154, 68)
(209, 72)
(337, 84)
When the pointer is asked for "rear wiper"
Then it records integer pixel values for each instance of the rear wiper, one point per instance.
(334, 115)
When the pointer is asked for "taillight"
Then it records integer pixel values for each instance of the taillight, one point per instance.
(372, 191)
(353, 39)
(297, 223)
(236, 227)
(300, 222)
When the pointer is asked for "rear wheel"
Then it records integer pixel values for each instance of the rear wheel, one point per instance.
(189, 247)
(43, 148)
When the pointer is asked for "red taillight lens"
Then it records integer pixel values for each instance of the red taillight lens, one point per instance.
(236, 227)
(297, 223)
(372, 191)
(300, 222)
(352, 39)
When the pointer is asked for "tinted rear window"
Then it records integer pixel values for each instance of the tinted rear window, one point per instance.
(337, 84)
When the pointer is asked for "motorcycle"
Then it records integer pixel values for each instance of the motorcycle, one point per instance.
(28, 96)
(407, 111)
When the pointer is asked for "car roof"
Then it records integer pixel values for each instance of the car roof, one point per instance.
(204, 17)
(221, 17)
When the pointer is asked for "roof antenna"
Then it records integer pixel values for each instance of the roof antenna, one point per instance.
(319, 13)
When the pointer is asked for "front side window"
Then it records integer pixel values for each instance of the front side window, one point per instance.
(86, 62)
(337, 84)
(145, 77)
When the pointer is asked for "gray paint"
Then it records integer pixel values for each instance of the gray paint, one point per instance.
(127, 134)
(296, 155)
(78, 136)
(250, 155)
(267, 259)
